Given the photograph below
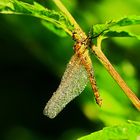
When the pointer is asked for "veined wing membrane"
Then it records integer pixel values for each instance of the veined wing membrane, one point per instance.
(72, 84)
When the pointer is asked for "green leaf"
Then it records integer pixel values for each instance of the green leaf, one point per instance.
(120, 34)
(131, 20)
(54, 29)
(114, 28)
(99, 29)
(53, 18)
(128, 131)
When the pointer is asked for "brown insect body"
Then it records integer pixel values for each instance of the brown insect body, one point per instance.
(82, 52)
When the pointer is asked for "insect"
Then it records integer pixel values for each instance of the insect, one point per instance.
(74, 80)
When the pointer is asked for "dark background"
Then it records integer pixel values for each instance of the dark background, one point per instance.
(33, 59)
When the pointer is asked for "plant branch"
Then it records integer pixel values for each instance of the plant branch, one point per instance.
(102, 58)
(78, 29)
(60, 5)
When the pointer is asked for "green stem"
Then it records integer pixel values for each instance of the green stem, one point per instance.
(60, 5)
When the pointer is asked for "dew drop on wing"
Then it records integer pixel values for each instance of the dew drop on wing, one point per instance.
(72, 84)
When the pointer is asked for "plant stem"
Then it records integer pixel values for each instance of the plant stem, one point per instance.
(102, 58)
(60, 5)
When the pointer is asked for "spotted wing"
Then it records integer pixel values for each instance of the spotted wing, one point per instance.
(72, 84)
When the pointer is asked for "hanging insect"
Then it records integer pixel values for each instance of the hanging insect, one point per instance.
(75, 78)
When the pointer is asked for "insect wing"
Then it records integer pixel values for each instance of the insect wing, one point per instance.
(72, 84)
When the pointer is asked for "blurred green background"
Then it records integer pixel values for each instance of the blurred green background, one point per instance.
(33, 60)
